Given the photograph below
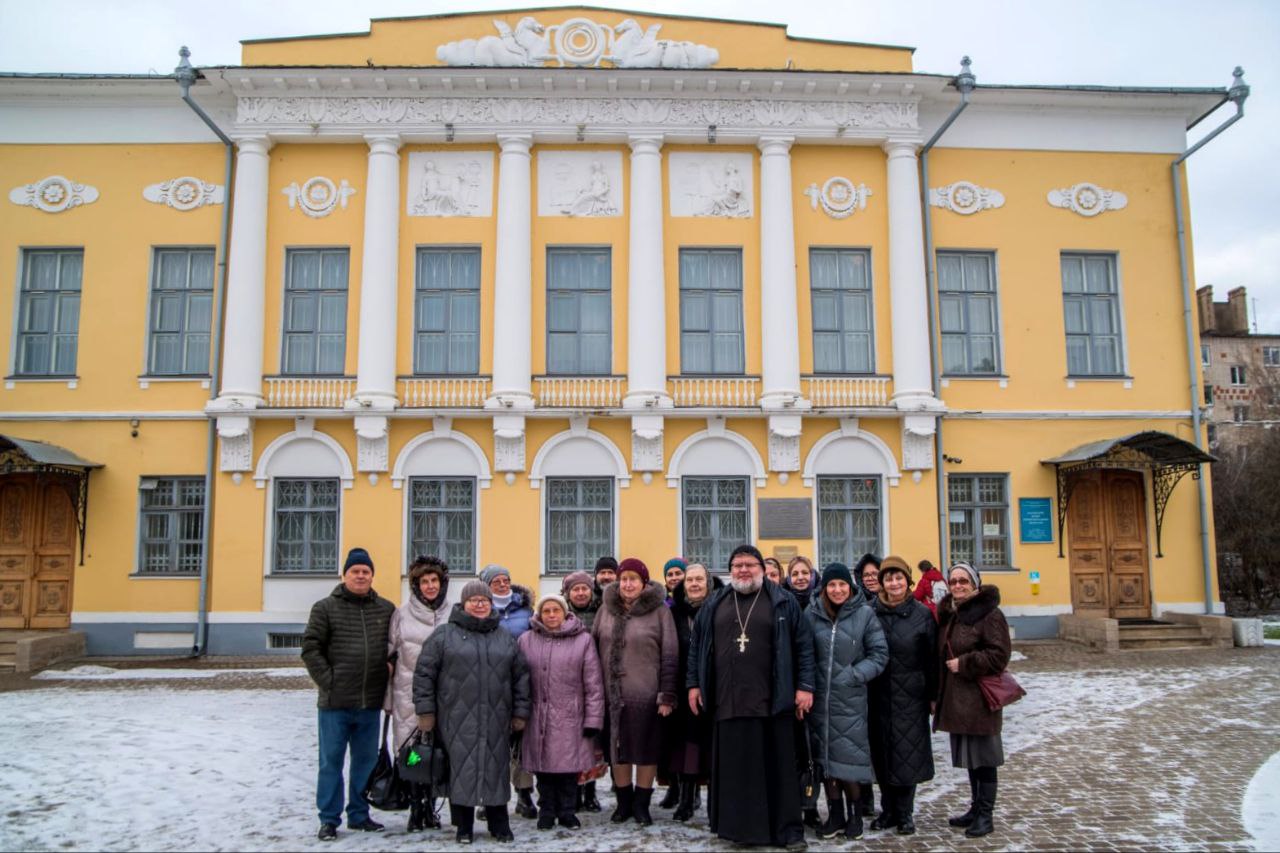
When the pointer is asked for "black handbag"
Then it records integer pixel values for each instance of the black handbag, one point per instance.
(386, 790)
(810, 776)
(422, 760)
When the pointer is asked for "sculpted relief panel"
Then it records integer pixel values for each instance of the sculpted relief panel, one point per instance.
(450, 183)
(710, 184)
(579, 183)
(578, 42)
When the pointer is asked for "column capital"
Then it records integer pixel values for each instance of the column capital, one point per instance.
(253, 144)
(896, 148)
(645, 143)
(515, 143)
(775, 145)
(383, 143)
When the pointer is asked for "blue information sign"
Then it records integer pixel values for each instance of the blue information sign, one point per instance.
(1035, 519)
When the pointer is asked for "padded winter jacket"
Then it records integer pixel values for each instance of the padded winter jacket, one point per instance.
(516, 615)
(412, 625)
(568, 696)
(345, 649)
(901, 751)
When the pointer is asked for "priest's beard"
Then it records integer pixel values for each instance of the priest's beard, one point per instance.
(747, 587)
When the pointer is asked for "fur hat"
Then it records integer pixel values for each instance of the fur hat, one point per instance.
(634, 564)
(573, 580)
(427, 566)
(894, 564)
(473, 589)
(357, 557)
(974, 575)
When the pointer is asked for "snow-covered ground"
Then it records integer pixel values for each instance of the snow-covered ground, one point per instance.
(1261, 810)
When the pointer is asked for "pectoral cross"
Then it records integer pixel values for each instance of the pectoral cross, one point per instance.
(742, 641)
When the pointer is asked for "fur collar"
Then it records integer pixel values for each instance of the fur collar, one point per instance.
(974, 610)
(571, 627)
(651, 598)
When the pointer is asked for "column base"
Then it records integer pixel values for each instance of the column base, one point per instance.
(641, 400)
(917, 401)
(510, 401)
(784, 401)
(234, 402)
(371, 401)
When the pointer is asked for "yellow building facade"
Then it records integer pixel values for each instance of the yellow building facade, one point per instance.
(533, 288)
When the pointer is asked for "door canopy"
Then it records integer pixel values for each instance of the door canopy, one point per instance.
(1166, 456)
(24, 456)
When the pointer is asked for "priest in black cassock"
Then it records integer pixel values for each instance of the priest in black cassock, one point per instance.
(751, 667)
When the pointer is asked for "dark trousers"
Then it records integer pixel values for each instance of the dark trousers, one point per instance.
(340, 730)
(556, 793)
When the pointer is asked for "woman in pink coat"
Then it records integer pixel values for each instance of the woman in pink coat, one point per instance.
(568, 708)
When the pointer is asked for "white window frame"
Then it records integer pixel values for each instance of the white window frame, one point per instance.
(1121, 326)
(148, 371)
(715, 452)
(742, 311)
(577, 453)
(747, 509)
(15, 351)
(289, 253)
(1239, 376)
(441, 453)
(852, 452)
(550, 289)
(418, 289)
(1271, 356)
(994, 258)
(881, 512)
(871, 308)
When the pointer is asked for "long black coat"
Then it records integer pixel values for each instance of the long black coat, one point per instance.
(345, 649)
(901, 750)
(682, 727)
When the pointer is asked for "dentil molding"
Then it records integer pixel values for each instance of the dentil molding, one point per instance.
(1088, 199)
(965, 198)
(185, 193)
(318, 196)
(838, 197)
(54, 194)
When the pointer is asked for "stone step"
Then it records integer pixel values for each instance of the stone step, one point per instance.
(1160, 632)
(8, 662)
(8, 647)
(1198, 642)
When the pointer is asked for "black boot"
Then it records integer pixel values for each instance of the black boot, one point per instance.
(982, 821)
(672, 798)
(966, 819)
(499, 824)
(577, 802)
(835, 818)
(589, 801)
(905, 805)
(464, 818)
(853, 829)
(866, 800)
(888, 817)
(622, 813)
(640, 806)
(415, 823)
(688, 793)
(524, 803)
(565, 809)
(547, 802)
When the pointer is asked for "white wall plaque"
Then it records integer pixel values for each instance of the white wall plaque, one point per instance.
(579, 183)
(54, 194)
(710, 184)
(450, 183)
(185, 193)
(318, 196)
(839, 197)
(965, 197)
(1088, 199)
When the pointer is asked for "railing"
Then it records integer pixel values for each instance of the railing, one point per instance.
(443, 392)
(580, 392)
(308, 392)
(846, 391)
(718, 391)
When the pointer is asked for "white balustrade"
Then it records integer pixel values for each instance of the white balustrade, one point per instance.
(581, 392)
(444, 392)
(717, 391)
(847, 391)
(308, 392)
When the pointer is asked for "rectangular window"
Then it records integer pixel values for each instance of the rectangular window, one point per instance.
(579, 522)
(171, 525)
(711, 337)
(49, 312)
(1091, 306)
(843, 325)
(181, 312)
(579, 317)
(967, 313)
(1239, 414)
(978, 516)
(1271, 356)
(717, 518)
(315, 312)
(1205, 357)
(446, 312)
(1208, 395)
(848, 518)
(442, 520)
(306, 526)
(1238, 374)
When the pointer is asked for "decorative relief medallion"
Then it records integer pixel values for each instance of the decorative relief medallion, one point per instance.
(54, 194)
(710, 184)
(784, 452)
(839, 197)
(237, 452)
(185, 193)
(372, 453)
(508, 453)
(1088, 199)
(579, 183)
(917, 451)
(965, 198)
(578, 42)
(450, 183)
(646, 453)
(319, 196)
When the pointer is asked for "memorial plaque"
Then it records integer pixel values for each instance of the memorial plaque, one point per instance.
(1035, 519)
(786, 518)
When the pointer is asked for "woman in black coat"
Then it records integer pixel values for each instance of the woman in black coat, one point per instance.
(901, 748)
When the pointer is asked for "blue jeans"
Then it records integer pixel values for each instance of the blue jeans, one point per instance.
(338, 730)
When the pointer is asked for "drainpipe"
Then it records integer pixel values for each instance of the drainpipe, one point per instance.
(186, 77)
(1236, 95)
(965, 82)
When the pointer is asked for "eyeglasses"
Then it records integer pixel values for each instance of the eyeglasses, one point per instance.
(477, 599)
(960, 582)
(753, 564)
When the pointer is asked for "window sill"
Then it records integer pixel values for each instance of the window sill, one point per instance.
(145, 381)
(1126, 380)
(303, 575)
(11, 382)
(164, 576)
(1002, 570)
(1000, 378)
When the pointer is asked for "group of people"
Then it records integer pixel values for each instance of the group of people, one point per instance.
(745, 688)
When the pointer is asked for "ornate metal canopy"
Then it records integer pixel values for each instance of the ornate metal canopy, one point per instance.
(1167, 457)
(24, 456)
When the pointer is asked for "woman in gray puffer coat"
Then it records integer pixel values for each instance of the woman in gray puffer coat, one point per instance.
(473, 681)
(568, 708)
(849, 650)
(411, 625)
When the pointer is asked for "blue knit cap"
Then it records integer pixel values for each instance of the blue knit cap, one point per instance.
(357, 557)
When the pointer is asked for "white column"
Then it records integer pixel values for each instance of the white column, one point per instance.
(908, 289)
(512, 323)
(376, 368)
(779, 325)
(246, 279)
(646, 282)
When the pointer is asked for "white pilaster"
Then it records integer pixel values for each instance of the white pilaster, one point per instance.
(512, 322)
(646, 284)
(246, 279)
(779, 332)
(376, 368)
(908, 288)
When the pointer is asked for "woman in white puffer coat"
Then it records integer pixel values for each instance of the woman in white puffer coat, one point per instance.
(413, 622)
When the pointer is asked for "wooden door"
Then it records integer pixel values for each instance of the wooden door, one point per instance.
(37, 552)
(1107, 527)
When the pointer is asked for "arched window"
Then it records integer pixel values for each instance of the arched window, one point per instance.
(716, 471)
(441, 473)
(850, 470)
(579, 472)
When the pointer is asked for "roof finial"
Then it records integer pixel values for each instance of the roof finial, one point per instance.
(1239, 89)
(965, 81)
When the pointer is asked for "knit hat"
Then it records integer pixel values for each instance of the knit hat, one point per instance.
(472, 589)
(632, 564)
(605, 563)
(836, 572)
(491, 571)
(573, 580)
(674, 563)
(894, 564)
(357, 557)
(564, 605)
(747, 549)
(974, 575)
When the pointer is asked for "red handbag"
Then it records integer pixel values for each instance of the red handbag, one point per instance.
(998, 690)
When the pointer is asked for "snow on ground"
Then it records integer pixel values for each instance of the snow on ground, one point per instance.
(107, 673)
(1017, 656)
(158, 768)
(1261, 809)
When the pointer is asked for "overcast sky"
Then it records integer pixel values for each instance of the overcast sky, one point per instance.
(1235, 181)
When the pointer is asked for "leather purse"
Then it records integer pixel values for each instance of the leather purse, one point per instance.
(385, 790)
(1000, 690)
(422, 760)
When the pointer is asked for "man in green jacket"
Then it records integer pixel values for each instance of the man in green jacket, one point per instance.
(345, 650)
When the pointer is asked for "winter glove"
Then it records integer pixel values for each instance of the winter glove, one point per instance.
(426, 722)
(518, 724)
(590, 732)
